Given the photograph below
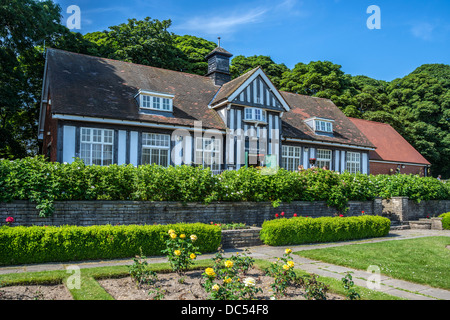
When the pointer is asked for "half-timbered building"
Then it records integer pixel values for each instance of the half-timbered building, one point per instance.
(106, 112)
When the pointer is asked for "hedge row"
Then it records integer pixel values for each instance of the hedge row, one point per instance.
(21, 245)
(44, 182)
(445, 220)
(299, 230)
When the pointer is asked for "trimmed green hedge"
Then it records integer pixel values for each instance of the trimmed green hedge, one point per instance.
(299, 230)
(21, 245)
(445, 220)
(44, 182)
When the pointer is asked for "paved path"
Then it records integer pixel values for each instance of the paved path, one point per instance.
(395, 287)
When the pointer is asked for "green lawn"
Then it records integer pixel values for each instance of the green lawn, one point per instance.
(421, 260)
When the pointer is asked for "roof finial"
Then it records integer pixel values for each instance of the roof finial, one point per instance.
(219, 41)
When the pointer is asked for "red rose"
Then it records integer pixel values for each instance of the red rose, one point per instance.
(9, 220)
(295, 214)
(362, 212)
(282, 214)
(341, 215)
(276, 215)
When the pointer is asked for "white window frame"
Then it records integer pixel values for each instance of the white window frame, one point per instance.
(155, 142)
(324, 158)
(90, 141)
(291, 157)
(255, 114)
(207, 153)
(323, 126)
(353, 162)
(155, 101)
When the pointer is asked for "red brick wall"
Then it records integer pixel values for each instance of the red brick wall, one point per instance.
(50, 126)
(384, 168)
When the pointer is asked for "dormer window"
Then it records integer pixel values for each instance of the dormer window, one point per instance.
(324, 126)
(155, 101)
(320, 125)
(255, 114)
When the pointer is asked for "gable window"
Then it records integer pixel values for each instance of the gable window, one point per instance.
(155, 149)
(291, 157)
(324, 126)
(323, 158)
(155, 101)
(96, 146)
(353, 162)
(207, 153)
(255, 114)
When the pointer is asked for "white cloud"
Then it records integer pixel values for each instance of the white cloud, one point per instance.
(232, 19)
(222, 24)
(423, 30)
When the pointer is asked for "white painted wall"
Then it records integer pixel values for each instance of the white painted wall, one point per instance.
(68, 144)
(134, 148)
(122, 147)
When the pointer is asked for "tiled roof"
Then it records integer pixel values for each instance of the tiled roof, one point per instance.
(98, 87)
(85, 85)
(304, 107)
(391, 146)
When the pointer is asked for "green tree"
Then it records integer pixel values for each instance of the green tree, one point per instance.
(241, 65)
(145, 42)
(194, 49)
(24, 25)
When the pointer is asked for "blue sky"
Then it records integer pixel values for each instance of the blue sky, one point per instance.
(290, 31)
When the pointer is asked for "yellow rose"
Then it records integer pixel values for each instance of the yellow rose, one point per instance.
(192, 256)
(182, 236)
(287, 251)
(210, 272)
(193, 237)
(290, 264)
(173, 235)
(285, 267)
(227, 280)
(177, 252)
(215, 287)
(228, 263)
(171, 231)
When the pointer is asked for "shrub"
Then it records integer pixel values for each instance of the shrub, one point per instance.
(44, 182)
(181, 251)
(298, 230)
(445, 220)
(71, 243)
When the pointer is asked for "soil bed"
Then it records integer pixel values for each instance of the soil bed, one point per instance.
(35, 292)
(191, 288)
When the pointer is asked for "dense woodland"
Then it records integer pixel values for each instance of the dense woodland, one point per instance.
(417, 105)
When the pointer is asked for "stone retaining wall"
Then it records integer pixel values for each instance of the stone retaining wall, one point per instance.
(85, 213)
(241, 238)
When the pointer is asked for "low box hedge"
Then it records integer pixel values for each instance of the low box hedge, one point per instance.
(299, 230)
(36, 244)
(445, 220)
